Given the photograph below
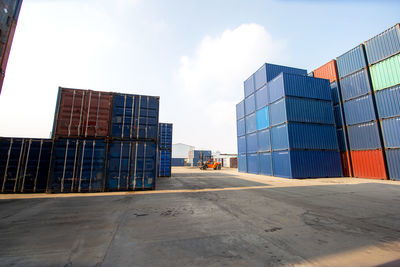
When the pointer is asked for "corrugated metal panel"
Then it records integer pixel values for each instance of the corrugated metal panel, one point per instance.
(264, 140)
(306, 164)
(249, 86)
(391, 132)
(132, 165)
(262, 118)
(251, 143)
(241, 127)
(240, 110)
(250, 104)
(351, 61)
(337, 111)
(252, 163)
(341, 140)
(335, 93)
(135, 117)
(364, 136)
(165, 136)
(388, 102)
(164, 163)
(251, 123)
(383, 45)
(346, 164)
(265, 163)
(386, 73)
(178, 162)
(368, 164)
(242, 163)
(355, 85)
(327, 71)
(359, 110)
(11, 160)
(301, 86)
(279, 137)
(278, 112)
(393, 162)
(261, 97)
(260, 77)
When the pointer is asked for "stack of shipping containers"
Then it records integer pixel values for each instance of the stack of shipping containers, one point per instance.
(197, 156)
(383, 55)
(165, 149)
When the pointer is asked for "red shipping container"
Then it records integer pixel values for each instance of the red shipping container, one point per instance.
(346, 164)
(327, 71)
(369, 164)
(233, 162)
(82, 113)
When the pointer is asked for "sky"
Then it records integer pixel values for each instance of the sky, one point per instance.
(194, 54)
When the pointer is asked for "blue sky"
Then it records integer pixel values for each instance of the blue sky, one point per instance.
(194, 54)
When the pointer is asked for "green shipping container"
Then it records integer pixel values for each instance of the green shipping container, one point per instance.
(386, 73)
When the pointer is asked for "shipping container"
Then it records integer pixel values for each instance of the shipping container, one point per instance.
(351, 61)
(178, 162)
(327, 71)
(250, 104)
(164, 163)
(165, 136)
(337, 111)
(242, 163)
(262, 97)
(249, 86)
(391, 132)
(264, 140)
(355, 85)
(268, 71)
(82, 114)
(265, 163)
(132, 165)
(383, 45)
(388, 102)
(78, 166)
(303, 136)
(393, 162)
(199, 155)
(252, 163)
(251, 143)
(233, 163)
(359, 110)
(251, 123)
(346, 163)
(342, 142)
(240, 110)
(11, 157)
(306, 164)
(262, 118)
(241, 127)
(286, 84)
(368, 164)
(135, 117)
(364, 136)
(335, 93)
(295, 109)
(386, 73)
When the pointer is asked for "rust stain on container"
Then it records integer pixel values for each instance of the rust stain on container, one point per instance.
(327, 71)
(368, 164)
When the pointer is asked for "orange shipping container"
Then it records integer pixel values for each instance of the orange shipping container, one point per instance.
(346, 164)
(368, 164)
(327, 71)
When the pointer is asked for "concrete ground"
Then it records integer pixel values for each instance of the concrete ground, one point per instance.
(208, 218)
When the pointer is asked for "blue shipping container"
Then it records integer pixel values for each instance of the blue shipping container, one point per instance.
(249, 86)
(11, 153)
(178, 162)
(250, 104)
(251, 123)
(164, 163)
(165, 136)
(135, 117)
(351, 61)
(132, 165)
(251, 143)
(364, 136)
(303, 136)
(337, 111)
(264, 140)
(242, 163)
(268, 71)
(393, 162)
(335, 93)
(241, 127)
(262, 97)
(388, 102)
(355, 85)
(391, 132)
(262, 118)
(301, 86)
(252, 163)
(306, 164)
(301, 110)
(240, 110)
(265, 163)
(383, 45)
(341, 140)
(359, 110)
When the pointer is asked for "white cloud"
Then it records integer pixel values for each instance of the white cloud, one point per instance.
(212, 81)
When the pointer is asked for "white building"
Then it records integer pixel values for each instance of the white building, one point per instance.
(180, 150)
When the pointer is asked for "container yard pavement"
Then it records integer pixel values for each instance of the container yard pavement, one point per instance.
(208, 218)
